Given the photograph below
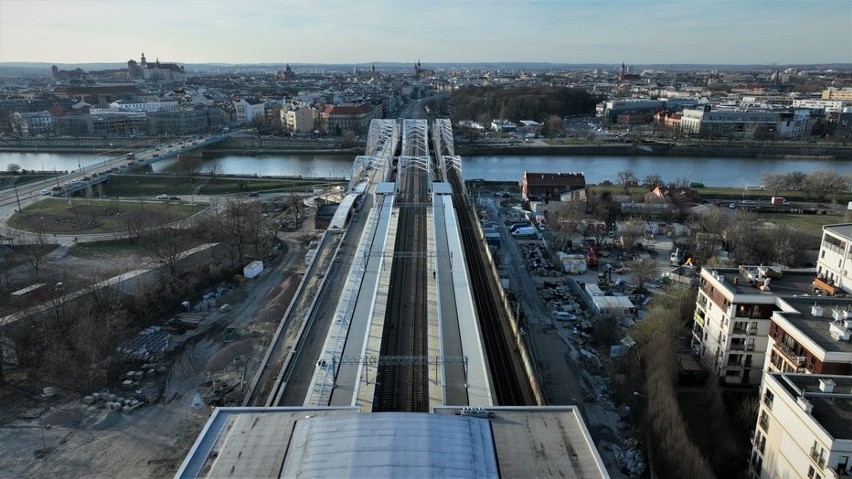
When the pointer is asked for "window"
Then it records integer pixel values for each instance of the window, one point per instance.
(812, 474)
(764, 421)
(768, 397)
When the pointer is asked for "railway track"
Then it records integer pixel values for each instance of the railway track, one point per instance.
(509, 384)
(271, 376)
(402, 387)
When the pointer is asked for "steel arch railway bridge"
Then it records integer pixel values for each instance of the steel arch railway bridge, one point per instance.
(400, 309)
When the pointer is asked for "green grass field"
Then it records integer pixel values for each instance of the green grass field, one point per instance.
(153, 185)
(90, 216)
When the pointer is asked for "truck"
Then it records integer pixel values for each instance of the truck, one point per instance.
(778, 200)
(676, 258)
(525, 231)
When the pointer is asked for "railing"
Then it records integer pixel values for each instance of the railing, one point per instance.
(789, 354)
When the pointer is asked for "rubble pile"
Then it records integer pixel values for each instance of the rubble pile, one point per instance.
(629, 457)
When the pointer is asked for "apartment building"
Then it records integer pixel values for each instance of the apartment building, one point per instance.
(30, 124)
(834, 266)
(837, 94)
(336, 119)
(299, 121)
(804, 427)
(733, 312)
(248, 110)
(746, 123)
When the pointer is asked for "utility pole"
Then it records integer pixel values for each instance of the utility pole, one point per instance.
(17, 199)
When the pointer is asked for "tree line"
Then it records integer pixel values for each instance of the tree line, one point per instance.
(536, 103)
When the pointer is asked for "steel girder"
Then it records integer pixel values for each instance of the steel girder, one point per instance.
(415, 146)
(381, 144)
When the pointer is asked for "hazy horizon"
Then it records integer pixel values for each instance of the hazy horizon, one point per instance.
(335, 32)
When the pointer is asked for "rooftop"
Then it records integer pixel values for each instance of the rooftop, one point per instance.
(554, 179)
(833, 411)
(843, 229)
(817, 328)
(342, 442)
(747, 279)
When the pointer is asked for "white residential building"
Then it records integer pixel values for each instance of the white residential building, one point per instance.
(731, 321)
(28, 124)
(301, 120)
(804, 427)
(248, 110)
(834, 266)
(142, 105)
(832, 108)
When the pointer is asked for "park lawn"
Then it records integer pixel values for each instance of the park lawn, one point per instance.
(149, 185)
(809, 224)
(153, 185)
(92, 216)
(222, 185)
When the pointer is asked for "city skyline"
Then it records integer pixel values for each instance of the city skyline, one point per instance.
(337, 32)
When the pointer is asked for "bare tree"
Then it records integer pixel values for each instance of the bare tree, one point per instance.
(775, 182)
(626, 179)
(189, 164)
(823, 183)
(642, 271)
(652, 181)
(567, 220)
(166, 244)
(13, 168)
(631, 231)
(241, 226)
(554, 126)
(796, 180)
(712, 221)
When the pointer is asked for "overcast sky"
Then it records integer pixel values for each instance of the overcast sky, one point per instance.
(355, 31)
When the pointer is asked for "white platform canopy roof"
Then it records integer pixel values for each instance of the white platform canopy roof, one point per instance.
(391, 445)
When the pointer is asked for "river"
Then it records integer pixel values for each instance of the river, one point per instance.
(724, 172)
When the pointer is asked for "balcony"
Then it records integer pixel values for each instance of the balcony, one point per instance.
(798, 361)
(699, 318)
(839, 471)
(825, 287)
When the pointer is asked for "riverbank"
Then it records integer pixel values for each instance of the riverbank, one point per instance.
(259, 145)
(802, 151)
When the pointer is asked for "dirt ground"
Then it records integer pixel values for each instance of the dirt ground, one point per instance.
(61, 436)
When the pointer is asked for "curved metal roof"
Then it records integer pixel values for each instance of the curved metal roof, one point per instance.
(391, 445)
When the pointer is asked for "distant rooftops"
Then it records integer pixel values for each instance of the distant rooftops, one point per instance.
(346, 109)
(555, 179)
